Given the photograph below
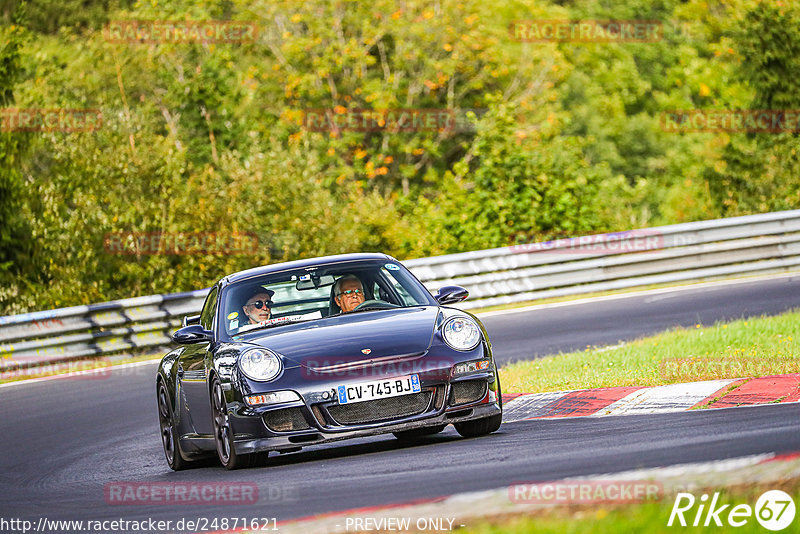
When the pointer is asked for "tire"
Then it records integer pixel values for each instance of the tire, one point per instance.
(169, 434)
(486, 425)
(414, 433)
(223, 434)
(479, 427)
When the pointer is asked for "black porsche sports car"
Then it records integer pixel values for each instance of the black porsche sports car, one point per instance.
(311, 351)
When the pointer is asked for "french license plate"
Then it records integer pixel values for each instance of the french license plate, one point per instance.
(378, 389)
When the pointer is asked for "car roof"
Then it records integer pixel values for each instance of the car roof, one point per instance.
(299, 264)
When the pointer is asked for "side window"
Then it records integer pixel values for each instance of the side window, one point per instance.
(378, 292)
(207, 315)
(404, 295)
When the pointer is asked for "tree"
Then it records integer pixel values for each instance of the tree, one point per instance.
(761, 171)
(16, 246)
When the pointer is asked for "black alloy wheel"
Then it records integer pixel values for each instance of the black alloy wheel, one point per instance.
(486, 425)
(223, 434)
(169, 434)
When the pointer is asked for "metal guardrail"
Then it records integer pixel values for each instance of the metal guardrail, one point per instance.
(78, 332)
(754, 244)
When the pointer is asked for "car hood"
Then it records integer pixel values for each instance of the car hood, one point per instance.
(362, 336)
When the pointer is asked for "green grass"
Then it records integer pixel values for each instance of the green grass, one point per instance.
(744, 348)
(651, 517)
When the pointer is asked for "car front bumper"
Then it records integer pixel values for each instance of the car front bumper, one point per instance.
(315, 420)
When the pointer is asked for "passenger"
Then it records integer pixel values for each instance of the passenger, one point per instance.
(258, 306)
(348, 292)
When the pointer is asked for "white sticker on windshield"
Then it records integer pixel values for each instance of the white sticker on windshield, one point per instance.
(288, 319)
(234, 325)
(392, 266)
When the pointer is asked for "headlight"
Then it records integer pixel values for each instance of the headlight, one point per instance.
(461, 333)
(260, 364)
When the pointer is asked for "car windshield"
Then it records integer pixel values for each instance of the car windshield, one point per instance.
(307, 294)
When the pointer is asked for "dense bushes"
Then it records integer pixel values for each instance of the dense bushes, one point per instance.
(202, 137)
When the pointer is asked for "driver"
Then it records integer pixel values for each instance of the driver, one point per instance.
(348, 292)
(258, 306)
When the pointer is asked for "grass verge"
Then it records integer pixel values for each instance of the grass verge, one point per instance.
(745, 348)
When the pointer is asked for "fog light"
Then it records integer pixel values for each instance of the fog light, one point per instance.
(471, 367)
(275, 397)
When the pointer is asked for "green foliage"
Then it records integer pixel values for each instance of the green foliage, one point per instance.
(16, 246)
(210, 137)
(518, 186)
(51, 16)
(769, 43)
(762, 172)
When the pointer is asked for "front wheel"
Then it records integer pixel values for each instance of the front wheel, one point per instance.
(223, 433)
(169, 434)
(479, 427)
(486, 425)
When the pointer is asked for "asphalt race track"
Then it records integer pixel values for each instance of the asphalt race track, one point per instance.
(522, 336)
(65, 440)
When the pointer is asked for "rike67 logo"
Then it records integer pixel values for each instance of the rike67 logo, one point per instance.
(774, 510)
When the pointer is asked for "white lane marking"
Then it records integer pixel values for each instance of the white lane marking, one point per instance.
(527, 406)
(660, 291)
(662, 399)
(73, 374)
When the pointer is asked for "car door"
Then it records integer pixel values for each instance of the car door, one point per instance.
(193, 373)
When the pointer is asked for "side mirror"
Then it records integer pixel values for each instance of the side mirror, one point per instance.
(191, 334)
(451, 294)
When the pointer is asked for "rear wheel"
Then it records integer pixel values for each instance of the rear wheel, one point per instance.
(414, 433)
(169, 434)
(487, 425)
(223, 433)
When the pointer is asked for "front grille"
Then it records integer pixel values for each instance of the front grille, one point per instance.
(468, 391)
(285, 420)
(381, 409)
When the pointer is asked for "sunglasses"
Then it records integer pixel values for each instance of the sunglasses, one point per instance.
(352, 292)
(260, 304)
